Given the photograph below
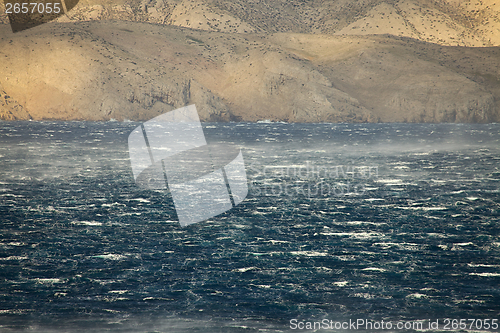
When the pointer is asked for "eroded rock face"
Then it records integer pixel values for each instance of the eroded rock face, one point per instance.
(71, 75)
(136, 71)
(10, 109)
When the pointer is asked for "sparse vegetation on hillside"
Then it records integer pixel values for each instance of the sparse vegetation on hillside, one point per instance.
(311, 61)
(445, 22)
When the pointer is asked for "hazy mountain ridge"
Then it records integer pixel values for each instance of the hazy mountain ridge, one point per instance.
(319, 64)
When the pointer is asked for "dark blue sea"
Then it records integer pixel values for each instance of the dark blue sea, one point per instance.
(343, 223)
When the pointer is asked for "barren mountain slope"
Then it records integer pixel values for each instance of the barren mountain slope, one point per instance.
(464, 23)
(401, 79)
(445, 22)
(126, 70)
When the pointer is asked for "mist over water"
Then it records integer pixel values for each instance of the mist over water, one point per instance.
(82, 248)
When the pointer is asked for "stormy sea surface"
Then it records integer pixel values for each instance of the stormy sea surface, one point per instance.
(371, 222)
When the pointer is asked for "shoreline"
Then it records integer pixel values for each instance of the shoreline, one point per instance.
(247, 122)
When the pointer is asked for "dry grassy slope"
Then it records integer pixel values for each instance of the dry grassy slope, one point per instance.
(445, 22)
(223, 59)
(125, 70)
(462, 23)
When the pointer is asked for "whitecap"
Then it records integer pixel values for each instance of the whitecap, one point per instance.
(389, 182)
(12, 195)
(263, 286)
(364, 295)
(361, 235)
(113, 204)
(371, 188)
(422, 208)
(437, 234)
(375, 269)
(13, 244)
(341, 283)
(90, 223)
(157, 299)
(48, 281)
(245, 269)
(361, 223)
(110, 256)
(457, 192)
(14, 258)
(140, 200)
(118, 291)
(309, 253)
(482, 265)
(276, 241)
(485, 274)
(417, 295)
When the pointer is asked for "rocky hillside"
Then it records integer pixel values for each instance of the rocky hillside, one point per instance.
(445, 22)
(297, 61)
